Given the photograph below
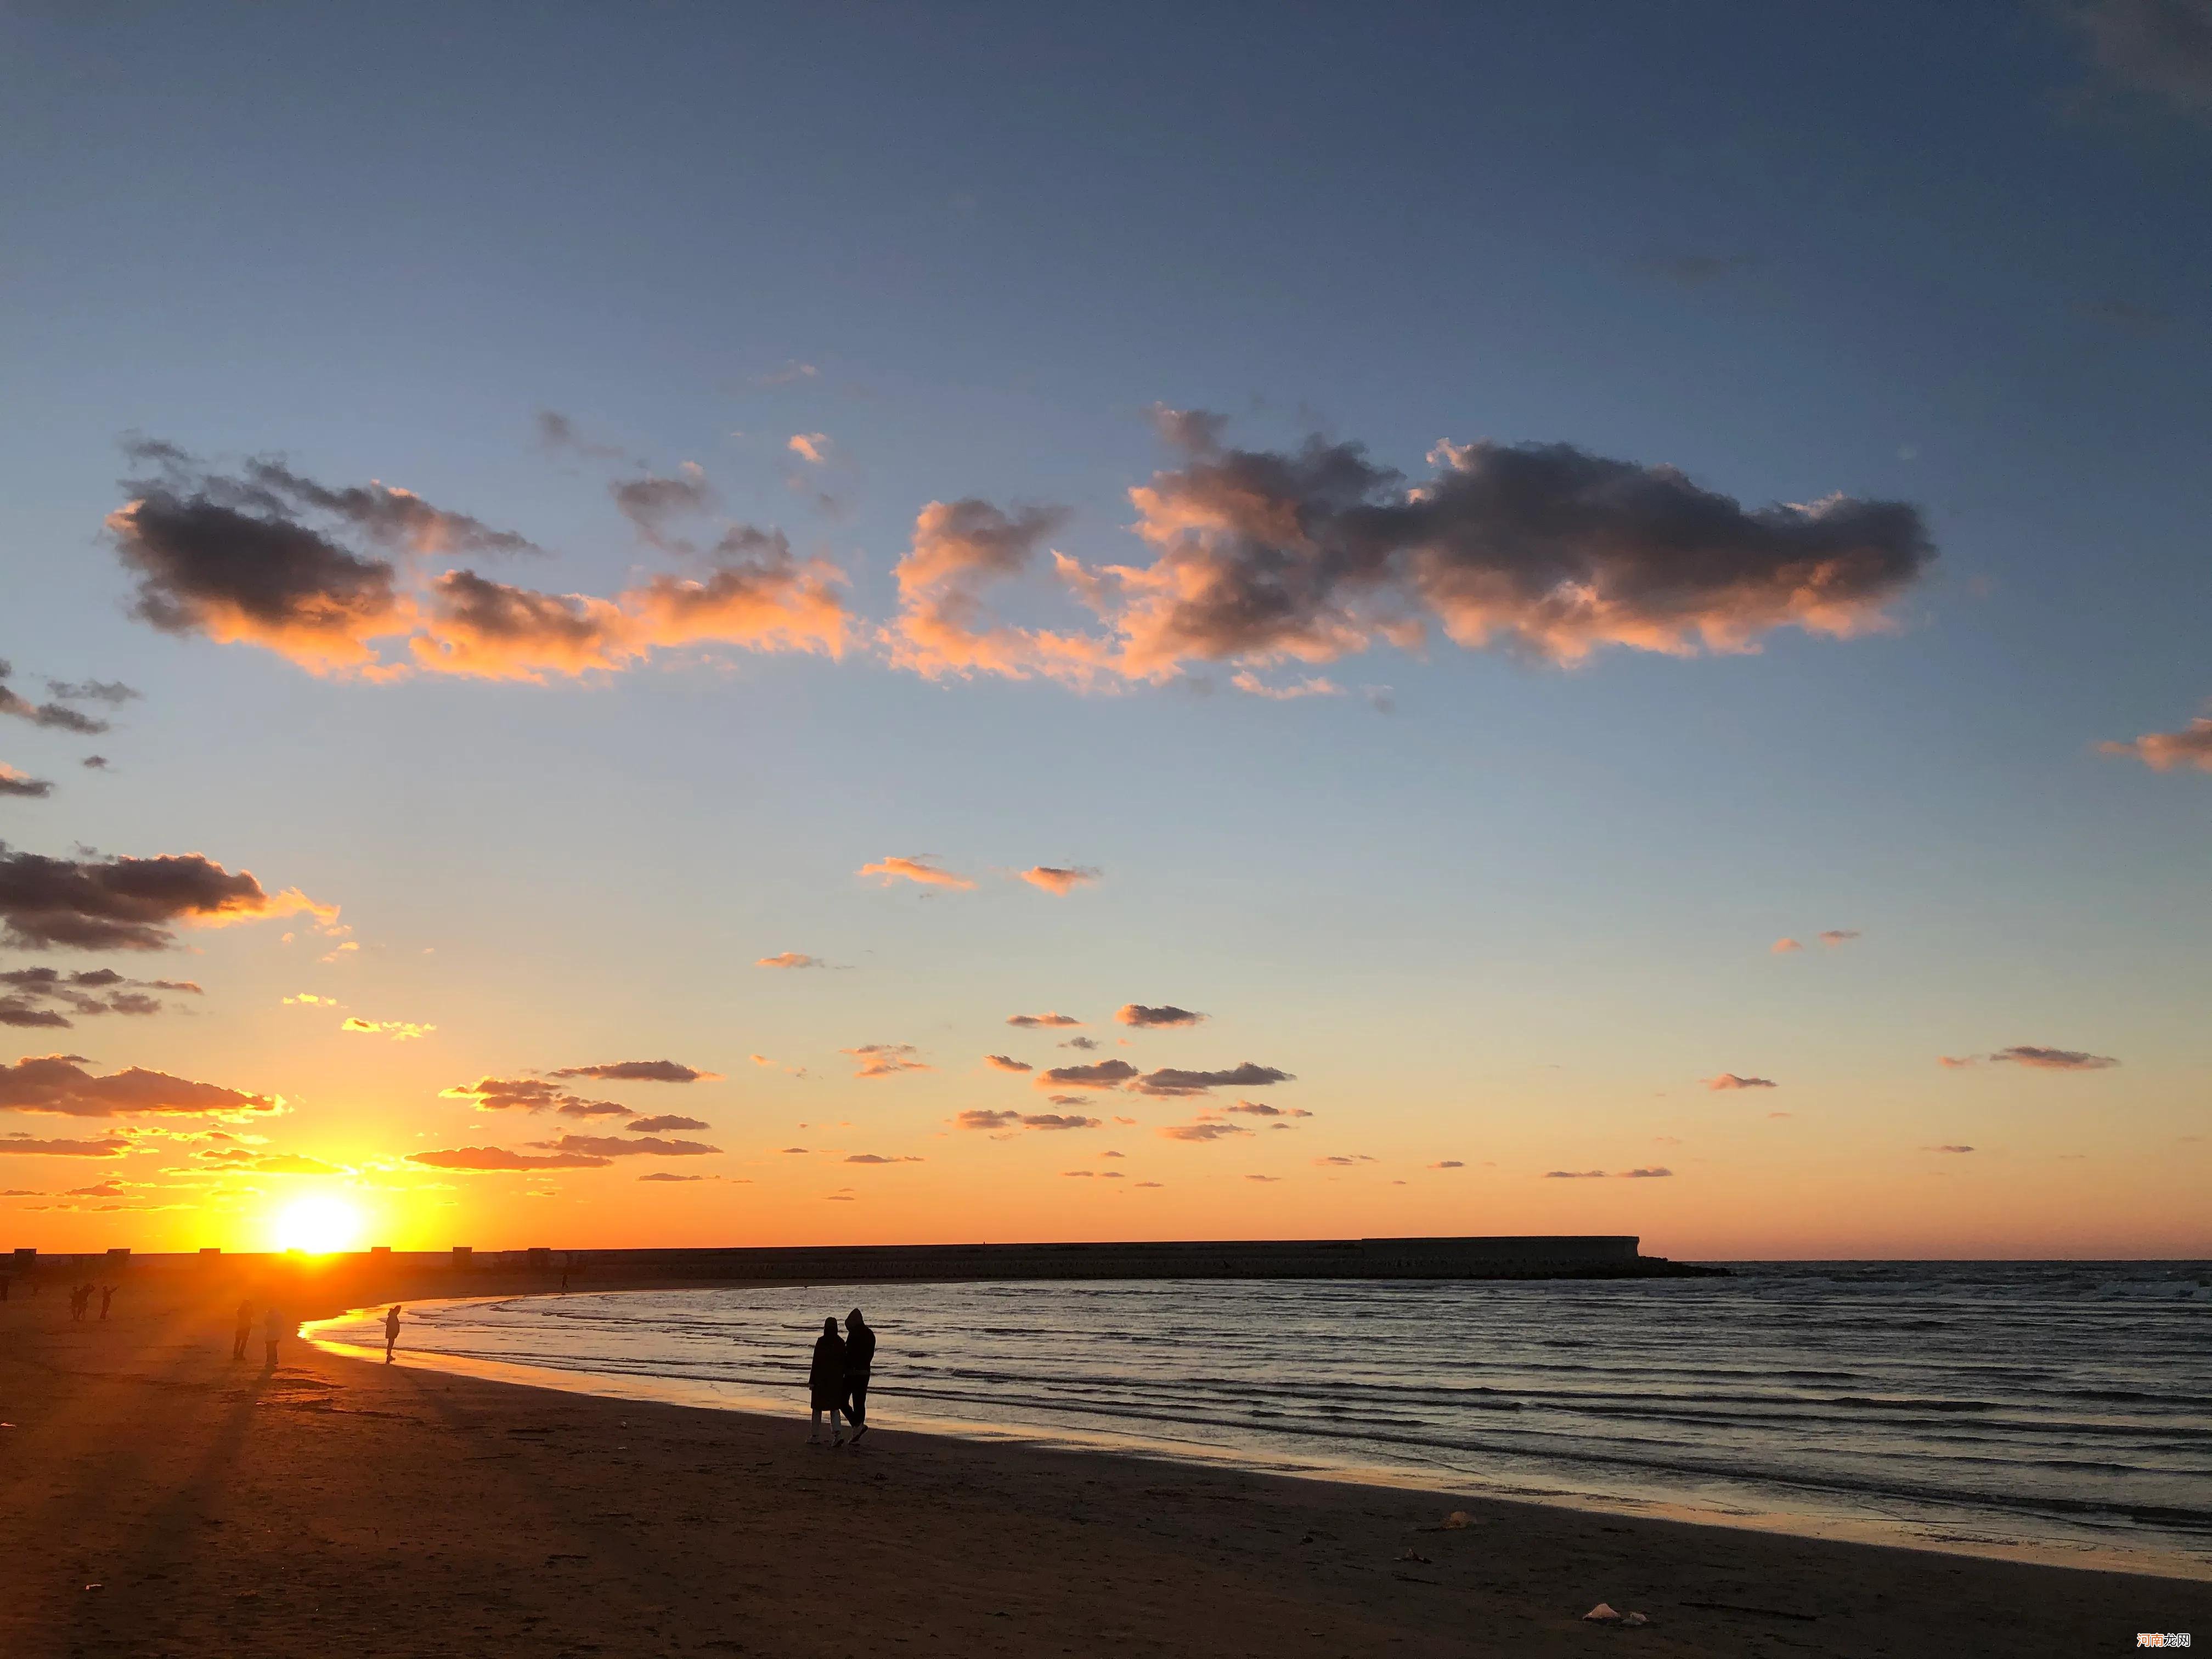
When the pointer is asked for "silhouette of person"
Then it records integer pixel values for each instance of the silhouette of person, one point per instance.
(106, 1296)
(825, 1383)
(859, 1357)
(272, 1327)
(244, 1333)
(391, 1330)
(79, 1295)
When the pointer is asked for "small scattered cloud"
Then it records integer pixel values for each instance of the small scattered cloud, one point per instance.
(639, 1071)
(812, 446)
(1047, 1120)
(1574, 1174)
(1647, 1173)
(1061, 878)
(492, 1159)
(94, 762)
(2053, 1060)
(1730, 1080)
(790, 375)
(1175, 1080)
(1448, 1164)
(980, 1119)
(1947, 1149)
(667, 1124)
(1007, 1063)
(1835, 936)
(1955, 1062)
(58, 1083)
(1145, 1016)
(1046, 1020)
(1342, 1161)
(2166, 751)
(1085, 1044)
(400, 1030)
(1263, 1178)
(530, 1094)
(618, 1146)
(13, 782)
(875, 1059)
(22, 1143)
(53, 716)
(1098, 1074)
(1782, 947)
(670, 1174)
(1204, 1130)
(877, 1157)
(1262, 1109)
(790, 959)
(128, 904)
(920, 869)
(46, 998)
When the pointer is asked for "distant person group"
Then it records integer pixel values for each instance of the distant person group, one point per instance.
(272, 1331)
(80, 1300)
(837, 1383)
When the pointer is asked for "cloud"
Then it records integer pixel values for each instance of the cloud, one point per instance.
(1730, 1080)
(235, 557)
(943, 626)
(998, 1120)
(2160, 49)
(884, 1059)
(1342, 1162)
(1573, 1175)
(1081, 1100)
(1308, 556)
(59, 1084)
(38, 996)
(96, 763)
(496, 1158)
(809, 446)
(1314, 685)
(1138, 1014)
(1007, 1063)
(790, 959)
(1835, 936)
(1449, 1163)
(1208, 1129)
(668, 1123)
(2053, 1060)
(664, 1174)
(639, 1071)
(127, 903)
(1262, 1178)
(650, 502)
(400, 1030)
(556, 431)
(1043, 1019)
(13, 782)
(619, 1146)
(112, 692)
(877, 1157)
(916, 869)
(1173, 1080)
(1954, 1062)
(18, 1142)
(1060, 879)
(49, 715)
(1783, 946)
(986, 1119)
(789, 372)
(1260, 1109)
(292, 1164)
(1947, 1149)
(2163, 752)
(1647, 1173)
(1086, 1045)
(1099, 1074)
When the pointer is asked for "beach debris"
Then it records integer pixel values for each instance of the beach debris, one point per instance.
(94, 1587)
(1457, 1519)
(1415, 1555)
(1634, 1618)
(1602, 1614)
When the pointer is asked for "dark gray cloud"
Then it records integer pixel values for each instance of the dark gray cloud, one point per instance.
(1099, 1074)
(20, 1144)
(123, 903)
(668, 1124)
(1205, 1129)
(556, 431)
(2160, 49)
(50, 714)
(47, 996)
(650, 503)
(1449, 1163)
(112, 692)
(1574, 1174)
(1173, 1080)
(1141, 1014)
(637, 1070)
(1086, 1045)
(979, 1118)
(2053, 1060)
(1947, 1149)
(59, 1084)
(94, 762)
(1260, 1109)
(995, 1119)
(1047, 1019)
(13, 782)
(1007, 1063)
(1316, 553)
(1730, 1080)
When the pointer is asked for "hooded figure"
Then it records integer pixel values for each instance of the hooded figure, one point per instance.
(825, 1382)
(860, 1358)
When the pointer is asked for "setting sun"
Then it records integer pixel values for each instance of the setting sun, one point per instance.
(318, 1225)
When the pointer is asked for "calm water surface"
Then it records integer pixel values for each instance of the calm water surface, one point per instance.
(2059, 1406)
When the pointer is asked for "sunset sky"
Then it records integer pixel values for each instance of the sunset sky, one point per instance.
(1533, 619)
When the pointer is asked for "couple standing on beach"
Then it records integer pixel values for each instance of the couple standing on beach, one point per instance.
(838, 1381)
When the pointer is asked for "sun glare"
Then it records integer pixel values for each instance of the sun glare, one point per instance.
(318, 1225)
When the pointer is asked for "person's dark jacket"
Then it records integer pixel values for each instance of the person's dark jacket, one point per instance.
(826, 1380)
(860, 1351)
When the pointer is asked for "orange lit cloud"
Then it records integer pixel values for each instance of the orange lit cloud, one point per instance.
(13, 782)
(129, 903)
(1783, 946)
(875, 1059)
(2053, 1060)
(639, 1071)
(667, 1124)
(1206, 1129)
(1137, 1013)
(916, 869)
(1730, 1080)
(790, 959)
(1007, 1063)
(20, 1143)
(481, 1159)
(1043, 1019)
(943, 626)
(2164, 752)
(400, 1030)
(992, 1120)
(809, 446)
(1059, 878)
(59, 1084)
(1954, 1062)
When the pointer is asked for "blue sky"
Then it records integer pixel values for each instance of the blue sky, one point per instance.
(1950, 256)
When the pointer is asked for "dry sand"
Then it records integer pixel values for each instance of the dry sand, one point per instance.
(337, 1507)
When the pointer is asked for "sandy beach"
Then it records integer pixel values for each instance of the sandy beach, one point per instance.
(335, 1506)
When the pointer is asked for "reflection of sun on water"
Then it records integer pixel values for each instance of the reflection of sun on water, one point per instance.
(318, 1225)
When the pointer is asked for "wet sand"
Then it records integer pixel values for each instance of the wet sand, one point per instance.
(332, 1506)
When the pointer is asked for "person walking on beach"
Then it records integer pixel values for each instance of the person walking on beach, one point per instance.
(244, 1331)
(859, 1357)
(391, 1331)
(79, 1296)
(825, 1382)
(272, 1327)
(106, 1296)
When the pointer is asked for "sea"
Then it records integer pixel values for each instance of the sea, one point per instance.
(2056, 1411)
